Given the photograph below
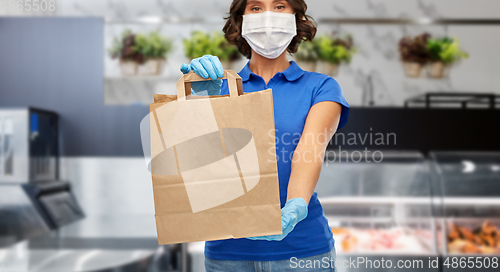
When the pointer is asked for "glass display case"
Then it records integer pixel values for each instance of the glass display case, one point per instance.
(467, 206)
(379, 207)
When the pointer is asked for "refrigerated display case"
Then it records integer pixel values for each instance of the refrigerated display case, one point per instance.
(379, 208)
(467, 210)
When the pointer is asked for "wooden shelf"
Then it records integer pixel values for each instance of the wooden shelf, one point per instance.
(359, 20)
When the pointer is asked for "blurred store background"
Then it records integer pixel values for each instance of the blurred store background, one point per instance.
(414, 174)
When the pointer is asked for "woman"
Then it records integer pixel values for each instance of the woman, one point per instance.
(308, 109)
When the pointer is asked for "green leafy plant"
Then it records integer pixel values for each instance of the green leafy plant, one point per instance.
(153, 45)
(414, 49)
(140, 47)
(446, 50)
(201, 43)
(334, 49)
(124, 48)
(306, 52)
(198, 45)
(223, 49)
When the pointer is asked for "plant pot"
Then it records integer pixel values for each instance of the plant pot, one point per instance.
(152, 67)
(128, 67)
(437, 69)
(307, 65)
(412, 69)
(329, 68)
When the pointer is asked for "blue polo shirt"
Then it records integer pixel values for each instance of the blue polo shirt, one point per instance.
(295, 91)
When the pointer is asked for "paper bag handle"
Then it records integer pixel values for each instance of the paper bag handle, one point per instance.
(233, 79)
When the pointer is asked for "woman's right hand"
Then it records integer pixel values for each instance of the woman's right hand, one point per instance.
(207, 66)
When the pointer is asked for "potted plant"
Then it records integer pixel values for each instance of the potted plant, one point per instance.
(414, 54)
(226, 52)
(332, 51)
(198, 45)
(443, 53)
(307, 56)
(124, 49)
(201, 43)
(154, 48)
(143, 54)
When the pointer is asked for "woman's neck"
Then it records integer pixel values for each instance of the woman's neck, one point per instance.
(267, 68)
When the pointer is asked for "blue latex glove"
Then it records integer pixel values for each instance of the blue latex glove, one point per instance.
(295, 210)
(206, 66)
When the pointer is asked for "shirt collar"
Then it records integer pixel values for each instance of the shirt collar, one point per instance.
(292, 73)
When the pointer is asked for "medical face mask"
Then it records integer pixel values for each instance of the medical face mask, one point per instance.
(269, 33)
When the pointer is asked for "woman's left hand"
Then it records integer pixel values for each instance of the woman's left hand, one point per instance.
(295, 210)
(206, 67)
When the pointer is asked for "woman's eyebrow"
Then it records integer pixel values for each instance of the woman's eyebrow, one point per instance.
(253, 2)
(260, 2)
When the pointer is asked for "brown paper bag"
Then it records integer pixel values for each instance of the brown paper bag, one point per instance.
(214, 164)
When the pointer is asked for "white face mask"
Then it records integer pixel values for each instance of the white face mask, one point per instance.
(269, 33)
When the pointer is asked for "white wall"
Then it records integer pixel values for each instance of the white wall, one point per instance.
(377, 44)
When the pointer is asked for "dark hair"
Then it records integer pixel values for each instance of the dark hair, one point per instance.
(306, 26)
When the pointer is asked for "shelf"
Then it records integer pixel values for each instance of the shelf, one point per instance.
(384, 21)
(374, 200)
(359, 219)
(410, 21)
(366, 200)
(136, 90)
(459, 100)
(142, 78)
(165, 20)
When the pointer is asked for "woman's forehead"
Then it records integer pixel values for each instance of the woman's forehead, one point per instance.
(249, 2)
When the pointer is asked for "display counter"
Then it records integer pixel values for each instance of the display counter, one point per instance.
(411, 209)
(379, 210)
(467, 188)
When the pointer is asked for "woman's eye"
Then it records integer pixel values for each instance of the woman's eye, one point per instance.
(280, 7)
(255, 8)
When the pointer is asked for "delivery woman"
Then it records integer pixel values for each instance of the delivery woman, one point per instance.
(308, 109)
